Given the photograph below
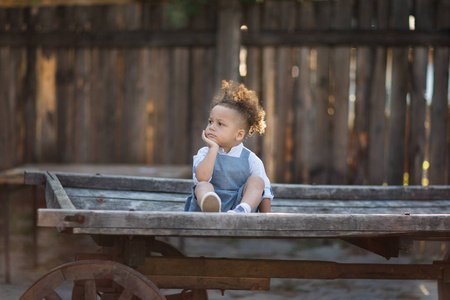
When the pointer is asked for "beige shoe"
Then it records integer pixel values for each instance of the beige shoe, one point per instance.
(210, 202)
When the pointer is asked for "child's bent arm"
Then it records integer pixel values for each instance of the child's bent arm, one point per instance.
(204, 170)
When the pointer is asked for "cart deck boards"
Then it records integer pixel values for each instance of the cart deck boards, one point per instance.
(381, 219)
(122, 205)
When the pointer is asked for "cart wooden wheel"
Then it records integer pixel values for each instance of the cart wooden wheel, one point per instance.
(91, 273)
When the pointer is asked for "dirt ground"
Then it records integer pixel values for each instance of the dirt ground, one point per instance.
(55, 249)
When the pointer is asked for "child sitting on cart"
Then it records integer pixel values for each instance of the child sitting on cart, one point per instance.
(229, 177)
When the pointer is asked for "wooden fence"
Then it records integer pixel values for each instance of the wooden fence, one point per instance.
(356, 92)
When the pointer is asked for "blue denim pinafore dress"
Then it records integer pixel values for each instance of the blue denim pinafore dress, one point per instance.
(229, 177)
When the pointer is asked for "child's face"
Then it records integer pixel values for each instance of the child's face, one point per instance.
(225, 127)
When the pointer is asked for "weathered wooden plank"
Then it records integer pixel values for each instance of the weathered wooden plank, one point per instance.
(114, 182)
(130, 196)
(124, 195)
(293, 191)
(209, 282)
(123, 38)
(186, 38)
(22, 3)
(55, 194)
(391, 37)
(360, 192)
(256, 225)
(281, 205)
(263, 268)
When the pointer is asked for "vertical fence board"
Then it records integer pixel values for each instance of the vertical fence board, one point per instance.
(161, 87)
(178, 107)
(14, 83)
(46, 123)
(65, 105)
(303, 98)
(82, 91)
(228, 40)
(4, 107)
(397, 117)
(284, 97)
(417, 135)
(11, 78)
(202, 96)
(439, 105)
(320, 148)
(132, 133)
(202, 83)
(29, 94)
(377, 102)
(65, 92)
(364, 73)
(105, 91)
(340, 89)
(254, 68)
(269, 21)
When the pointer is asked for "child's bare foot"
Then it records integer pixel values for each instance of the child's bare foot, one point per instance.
(210, 202)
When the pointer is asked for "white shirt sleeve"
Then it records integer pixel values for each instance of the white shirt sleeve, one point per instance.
(257, 169)
(201, 154)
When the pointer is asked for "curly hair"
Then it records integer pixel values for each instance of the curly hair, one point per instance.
(245, 102)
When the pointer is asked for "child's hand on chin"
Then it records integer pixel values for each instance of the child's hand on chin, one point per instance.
(210, 143)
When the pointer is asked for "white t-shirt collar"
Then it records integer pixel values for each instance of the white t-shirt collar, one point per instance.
(234, 152)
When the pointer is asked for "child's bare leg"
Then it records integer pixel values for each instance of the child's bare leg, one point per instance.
(253, 191)
(201, 189)
(207, 199)
(264, 206)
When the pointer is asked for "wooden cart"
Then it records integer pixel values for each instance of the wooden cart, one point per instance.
(125, 215)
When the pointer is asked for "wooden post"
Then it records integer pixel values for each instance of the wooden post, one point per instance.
(228, 41)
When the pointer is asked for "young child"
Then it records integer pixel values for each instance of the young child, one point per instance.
(227, 176)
